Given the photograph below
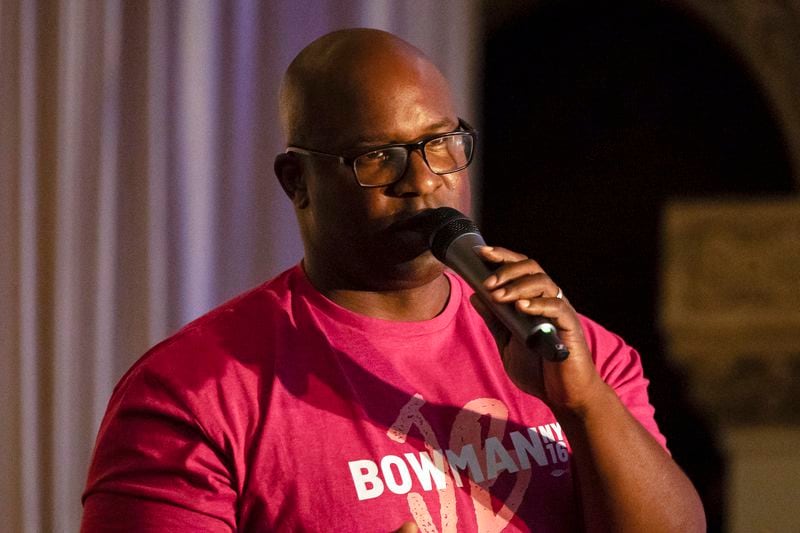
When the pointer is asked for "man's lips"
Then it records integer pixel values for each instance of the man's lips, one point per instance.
(411, 230)
(417, 222)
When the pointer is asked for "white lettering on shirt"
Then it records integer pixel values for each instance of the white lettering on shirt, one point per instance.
(400, 484)
(497, 459)
(428, 471)
(365, 477)
(525, 447)
(461, 461)
(545, 444)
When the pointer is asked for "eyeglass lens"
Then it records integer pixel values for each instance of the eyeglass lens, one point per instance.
(443, 154)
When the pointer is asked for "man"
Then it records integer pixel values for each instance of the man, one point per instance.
(360, 390)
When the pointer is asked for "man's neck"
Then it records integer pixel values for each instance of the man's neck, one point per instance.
(411, 303)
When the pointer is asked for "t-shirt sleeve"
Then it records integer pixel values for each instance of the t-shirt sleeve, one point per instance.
(620, 366)
(155, 468)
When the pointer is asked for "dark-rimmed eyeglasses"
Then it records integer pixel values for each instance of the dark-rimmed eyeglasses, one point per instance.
(383, 165)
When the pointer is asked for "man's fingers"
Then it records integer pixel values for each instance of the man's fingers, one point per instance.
(559, 311)
(497, 254)
(510, 271)
(513, 268)
(531, 286)
(408, 527)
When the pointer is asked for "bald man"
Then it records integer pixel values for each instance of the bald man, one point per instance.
(361, 390)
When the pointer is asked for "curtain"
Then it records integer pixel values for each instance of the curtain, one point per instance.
(137, 192)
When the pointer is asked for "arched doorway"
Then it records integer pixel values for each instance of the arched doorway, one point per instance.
(595, 116)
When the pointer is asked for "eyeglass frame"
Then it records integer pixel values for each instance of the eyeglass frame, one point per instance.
(463, 125)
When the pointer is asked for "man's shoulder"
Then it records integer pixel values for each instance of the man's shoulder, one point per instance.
(233, 337)
(209, 379)
(244, 313)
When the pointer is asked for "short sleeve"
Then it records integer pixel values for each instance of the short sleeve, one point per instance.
(154, 467)
(620, 366)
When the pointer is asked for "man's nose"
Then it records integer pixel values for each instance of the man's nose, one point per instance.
(418, 179)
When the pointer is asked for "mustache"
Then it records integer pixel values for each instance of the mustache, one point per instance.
(406, 233)
(420, 221)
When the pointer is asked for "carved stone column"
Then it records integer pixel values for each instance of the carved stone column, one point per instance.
(731, 317)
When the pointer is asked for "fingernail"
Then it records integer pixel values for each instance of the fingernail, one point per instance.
(491, 281)
(524, 303)
(499, 293)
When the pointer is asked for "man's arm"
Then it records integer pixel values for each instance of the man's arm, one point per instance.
(154, 468)
(624, 475)
(631, 487)
(119, 513)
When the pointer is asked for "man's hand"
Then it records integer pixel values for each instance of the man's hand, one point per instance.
(408, 527)
(653, 496)
(570, 384)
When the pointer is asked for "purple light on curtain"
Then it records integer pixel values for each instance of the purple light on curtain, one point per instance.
(241, 173)
(197, 164)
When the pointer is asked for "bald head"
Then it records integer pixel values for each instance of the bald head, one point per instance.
(343, 76)
(348, 93)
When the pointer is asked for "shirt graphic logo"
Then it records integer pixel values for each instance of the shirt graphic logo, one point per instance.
(469, 459)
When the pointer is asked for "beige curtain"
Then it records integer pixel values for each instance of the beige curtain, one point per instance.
(136, 192)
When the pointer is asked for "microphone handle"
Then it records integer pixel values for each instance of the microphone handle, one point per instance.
(537, 333)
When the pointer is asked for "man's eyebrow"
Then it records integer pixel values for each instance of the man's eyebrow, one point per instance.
(445, 125)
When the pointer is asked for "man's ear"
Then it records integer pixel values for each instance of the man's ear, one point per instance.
(289, 171)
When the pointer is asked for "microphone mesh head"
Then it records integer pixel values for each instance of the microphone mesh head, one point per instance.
(446, 225)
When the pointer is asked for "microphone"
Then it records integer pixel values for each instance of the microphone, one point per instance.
(452, 239)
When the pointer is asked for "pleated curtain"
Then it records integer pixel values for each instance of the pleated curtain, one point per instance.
(137, 192)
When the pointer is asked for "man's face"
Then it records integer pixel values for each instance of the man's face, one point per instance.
(365, 233)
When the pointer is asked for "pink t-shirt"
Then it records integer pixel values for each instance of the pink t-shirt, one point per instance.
(281, 410)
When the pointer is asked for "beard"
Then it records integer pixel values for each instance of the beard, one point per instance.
(393, 257)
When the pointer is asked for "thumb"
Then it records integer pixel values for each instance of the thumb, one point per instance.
(408, 527)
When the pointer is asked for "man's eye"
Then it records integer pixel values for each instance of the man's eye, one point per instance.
(442, 144)
(376, 156)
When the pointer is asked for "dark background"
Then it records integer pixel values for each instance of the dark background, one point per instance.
(594, 117)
